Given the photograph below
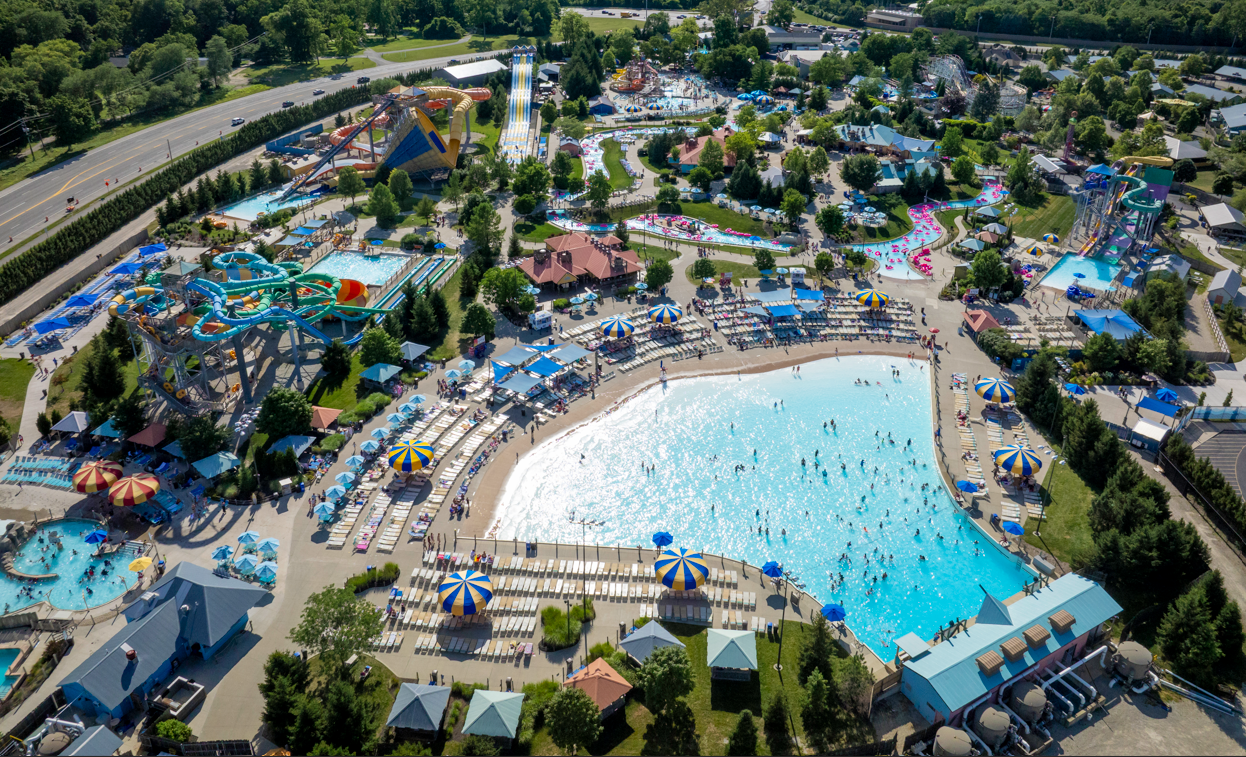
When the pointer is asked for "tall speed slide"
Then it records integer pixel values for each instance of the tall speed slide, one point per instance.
(519, 119)
(1122, 209)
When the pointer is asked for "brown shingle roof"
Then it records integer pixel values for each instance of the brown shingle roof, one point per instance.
(690, 151)
(602, 683)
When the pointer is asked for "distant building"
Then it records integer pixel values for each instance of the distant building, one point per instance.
(690, 151)
(1218, 96)
(1173, 264)
(893, 20)
(1232, 73)
(1187, 150)
(571, 146)
(1224, 287)
(1060, 74)
(784, 39)
(1004, 56)
(601, 106)
(1223, 221)
(1233, 118)
(470, 74)
(578, 257)
(548, 72)
(803, 59)
(883, 140)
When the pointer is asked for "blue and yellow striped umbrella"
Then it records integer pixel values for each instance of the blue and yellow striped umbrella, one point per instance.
(995, 390)
(666, 314)
(872, 298)
(465, 592)
(617, 327)
(410, 456)
(1022, 461)
(1035, 250)
(1051, 239)
(681, 570)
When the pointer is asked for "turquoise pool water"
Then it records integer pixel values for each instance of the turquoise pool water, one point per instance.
(69, 564)
(1099, 274)
(7, 658)
(250, 209)
(695, 431)
(373, 270)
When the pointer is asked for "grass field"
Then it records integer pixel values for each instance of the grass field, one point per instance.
(450, 346)
(283, 74)
(738, 271)
(1066, 527)
(1053, 215)
(65, 381)
(613, 158)
(725, 218)
(494, 43)
(898, 222)
(341, 396)
(15, 378)
(536, 233)
(407, 43)
(21, 166)
(1235, 335)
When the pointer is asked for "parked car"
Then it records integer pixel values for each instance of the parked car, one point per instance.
(238, 121)
(316, 92)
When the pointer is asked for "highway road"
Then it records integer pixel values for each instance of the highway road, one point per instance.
(30, 206)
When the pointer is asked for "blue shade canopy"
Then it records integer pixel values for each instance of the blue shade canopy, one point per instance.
(152, 249)
(268, 544)
(515, 355)
(500, 372)
(1155, 406)
(834, 613)
(214, 465)
(663, 539)
(96, 536)
(295, 442)
(466, 365)
(411, 350)
(520, 384)
(52, 324)
(408, 408)
(544, 367)
(569, 353)
(266, 571)
(381, 372)
(1077, 389)
(395, 418)
(82, 300)
(453, 374)
(465, 592)
(1017, 459)
(108, 429)
(126, 269)
(411, 456)
(648, 639)
(417, 399)
(967, 486)
(772, 569)
(995, 390)
(1166, 395)
(681, 569)
(345, 477)
(370, 445)
(1014, 528)
(223, 552)
(783, 311)
(354, 461)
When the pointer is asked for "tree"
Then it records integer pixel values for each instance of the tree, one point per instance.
(336, 624)
(562, 169)
(531, 178)
(830, 220)
(104, 379)
(400, 185)
(743, 145)
(953, 142)
(659, 274)
(963, 170)
(285, 680)
(793, 205)
(712, 158)
(620, 232)
(379, 347)
(743, 740)
(479, 746)
(381, 203)
(989, 153)
(309, 726)
(763, 259)
(199, 436)
(72, 119)
(1032, 78)
(502, 287)
(381, 16)
(988, 270)
(1153, 355)
(816, 716)
(1022, 180)
(220, 59)
(1222, 184)
(478, 321)
(861, 172)
(549, 113)
(485, 229)
(824, 263)
(819, 162)
(174, 730)
(425, 207)
(1187, 634)
(336, 360)
(701, 178)
(453, 190)
(667, 196)
(284, 412)
(817, 650)
(778, 737)
(665, 677)
(745, 182)
(350, 183)
(702, 268)
(571, 717)
(1101, 352)
(599, 190)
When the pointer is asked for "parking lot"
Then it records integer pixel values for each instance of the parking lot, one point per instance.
(1227, 452)
(1135, 725)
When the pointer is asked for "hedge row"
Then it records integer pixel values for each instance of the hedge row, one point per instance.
(86, 231)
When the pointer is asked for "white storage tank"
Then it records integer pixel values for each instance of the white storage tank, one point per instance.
(952, 742)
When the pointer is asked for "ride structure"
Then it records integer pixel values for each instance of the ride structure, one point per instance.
(1119, 208)
(188, 326)
(515, 143)
(638, 78)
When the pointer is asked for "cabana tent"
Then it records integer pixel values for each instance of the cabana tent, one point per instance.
(731, 654)
(411, 350)
(648, 639)
(74, 423)
(108, 429)
(381, 373)
(323, 417)
(515, 355)
(214, 465)
(297, 443)
(493, 713)
(151, 436)
(544, 367)
(569, 353)
(520, 384)
(420, 708)
(1118, 323)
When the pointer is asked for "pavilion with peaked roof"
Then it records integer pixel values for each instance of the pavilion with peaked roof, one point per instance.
(603, 684)
(578, 258)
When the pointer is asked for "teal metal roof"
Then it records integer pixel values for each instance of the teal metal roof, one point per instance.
(951, 667)
(731, 649)
(493, 713)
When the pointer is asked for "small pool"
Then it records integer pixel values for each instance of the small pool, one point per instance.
(1096, 273)
(373, 270)
(8, 656)
(250, 209)
(70, 564)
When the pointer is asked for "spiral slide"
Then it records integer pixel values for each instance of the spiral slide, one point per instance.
(257, 292)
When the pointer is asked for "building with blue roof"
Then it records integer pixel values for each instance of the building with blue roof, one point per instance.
(1005, 642)
(1218, 96)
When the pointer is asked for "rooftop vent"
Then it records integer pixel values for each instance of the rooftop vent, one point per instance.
(990, 663)
(1062, 621)
(1037, 636)
(1013, 649)
(130, 653)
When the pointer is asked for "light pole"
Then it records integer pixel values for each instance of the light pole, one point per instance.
(778, 665)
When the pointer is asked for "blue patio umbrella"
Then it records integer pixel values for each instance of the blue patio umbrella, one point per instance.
(409, 457)
(453, 374)
(967, 486)
(268, 545)
(345, 477)
(354, 461)
(395, 418)
(248, 537)
(439, 246)
(324, 510)
(772, 569)
(466, 365)
(755, 207)
(681, 569)
(662, 538)
(590, 297)
(642, 286)
(1166, 395)
(246, 563)
(370, 446)
(334, 492)
(417, 399)
(533, 290)
(1077, 389)
(834, 613)
(81, 300)
(266, 571)
(577, 300)
(222, 553)
(379, 434)
(1017, 459)
(408, 408)
(1014, 528)
(96, 536)
(1079, 275)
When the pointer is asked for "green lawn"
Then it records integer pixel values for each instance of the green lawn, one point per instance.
(738, 271)
(716, 706)
(1235, 335)
(21, 166)
(577, 169)
(340, 396)
(646, 251)
(453, 345)
(282, 74)
(462, 48)
(486, 134)
(898, 222)
(613, 158)
(1066, 527)
(15, 377)
(801, 17)
(1053, 215)
(406, 43)
(65, 379)
(533, 233)
(724, 217)
(1204, 180)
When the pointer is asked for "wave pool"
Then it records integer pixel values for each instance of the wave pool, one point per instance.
(39, 556)
(696, 431)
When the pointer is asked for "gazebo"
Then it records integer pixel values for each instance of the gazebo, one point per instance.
(74, 423)
(731, 655)
(380, 374)
(648, 639)
(214, 465)
(419, 710)
(324, 417)
(603, 684)
(493, 713)
(151, 436)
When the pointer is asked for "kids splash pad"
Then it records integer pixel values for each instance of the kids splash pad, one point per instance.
(893, 253)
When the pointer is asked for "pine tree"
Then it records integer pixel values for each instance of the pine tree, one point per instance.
(441, 311)
(423, 322)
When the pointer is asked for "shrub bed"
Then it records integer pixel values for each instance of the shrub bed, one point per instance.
(385, 575)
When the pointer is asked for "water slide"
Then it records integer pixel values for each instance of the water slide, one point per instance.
(1137, 197)
(342, 141)
(519, 119)
(423, 277)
